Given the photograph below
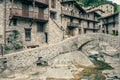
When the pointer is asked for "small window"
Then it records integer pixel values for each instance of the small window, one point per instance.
(103, 31)
(27, 34)
(114, 32)
(117, 32)
(46, 37)
(14, 22)
(68, 5)
(88, 24)
(40, 27)
(53, 3)
(9, 40)
(53, 15)
(88, 15)
(107, 32)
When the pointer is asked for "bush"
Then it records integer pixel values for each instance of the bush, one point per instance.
(7, 48)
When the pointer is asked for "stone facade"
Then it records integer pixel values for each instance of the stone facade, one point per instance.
(91, 22)
(44, 22)
(107, 9)
(75, 20)
(110, 24)
(1, 23)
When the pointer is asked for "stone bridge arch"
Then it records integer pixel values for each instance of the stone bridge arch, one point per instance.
(28, 57)
(113, 41)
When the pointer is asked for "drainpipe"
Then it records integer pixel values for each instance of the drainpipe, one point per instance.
(4, 22)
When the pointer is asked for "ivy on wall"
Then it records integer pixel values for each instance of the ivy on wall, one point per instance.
(13, 41)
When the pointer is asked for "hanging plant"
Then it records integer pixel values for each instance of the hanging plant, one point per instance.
(15, 33)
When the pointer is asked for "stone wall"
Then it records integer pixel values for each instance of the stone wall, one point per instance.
(37, 37)
(27, 58)
(1, 23)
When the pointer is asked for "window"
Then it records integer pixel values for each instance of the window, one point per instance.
(14, 22)
(53, 3)
(52, 15)
(107, 32)
(113, 31)
(46, 37)
(27, 34)
(117, 33)
(40, 27)
(103, 31)
(9, 40)
(88, 24)
(88, 15)
(68, 5)
(79, 31)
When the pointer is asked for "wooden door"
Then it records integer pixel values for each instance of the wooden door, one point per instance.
(25, 10)
(41, 13)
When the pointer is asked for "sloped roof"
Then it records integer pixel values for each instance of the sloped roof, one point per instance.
(110, 15)
(95, 11)
(75, 3)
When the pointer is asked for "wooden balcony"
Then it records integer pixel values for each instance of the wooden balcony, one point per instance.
(110, 22)
(91, 28)
(64, 1)
(18, 13)
(43, 3)
(72, 25)
(70, 14)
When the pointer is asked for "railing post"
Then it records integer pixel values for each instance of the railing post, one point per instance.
(12, 7)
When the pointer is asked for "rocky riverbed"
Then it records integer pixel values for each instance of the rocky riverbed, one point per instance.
(63, 67)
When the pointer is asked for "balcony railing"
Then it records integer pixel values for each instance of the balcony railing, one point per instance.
(67, 0)
(73, 25)
(42, 2)
(92, 28)
(110, 22)
(46, 2)
(69, 13)
(30, 14)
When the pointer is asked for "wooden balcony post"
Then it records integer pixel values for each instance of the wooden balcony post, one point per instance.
(12, 7)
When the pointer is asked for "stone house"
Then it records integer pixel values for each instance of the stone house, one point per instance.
(36, 23)
(92, 22)
(107, 9)
(110, 24)
(75, 20)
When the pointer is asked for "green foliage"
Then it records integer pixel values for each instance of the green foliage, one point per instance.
(14, 43)
(94, 3)
(17, 45)
(101, 65)
(116, 7)
(7, 48)
(15, 33)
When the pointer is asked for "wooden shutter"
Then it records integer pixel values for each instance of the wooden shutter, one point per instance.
(25, 10)
(41, 13)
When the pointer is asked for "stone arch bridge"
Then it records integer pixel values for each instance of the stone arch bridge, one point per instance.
(28, 57)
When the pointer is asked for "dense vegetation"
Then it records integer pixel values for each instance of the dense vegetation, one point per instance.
(94, 3)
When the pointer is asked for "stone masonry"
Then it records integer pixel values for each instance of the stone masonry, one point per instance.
(19, 60)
